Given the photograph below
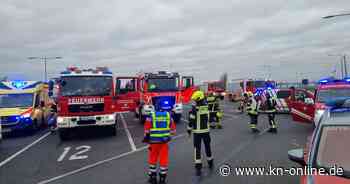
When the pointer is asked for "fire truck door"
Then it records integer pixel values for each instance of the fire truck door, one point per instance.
(187, 88)
(127, 93)
(302, 107)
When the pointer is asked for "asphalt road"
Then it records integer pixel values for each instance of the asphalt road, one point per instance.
(92, 156)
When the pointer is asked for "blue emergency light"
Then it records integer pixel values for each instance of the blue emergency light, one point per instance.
(19, 84)
(347, 79)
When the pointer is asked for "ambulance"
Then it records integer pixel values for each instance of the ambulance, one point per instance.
(24, 105)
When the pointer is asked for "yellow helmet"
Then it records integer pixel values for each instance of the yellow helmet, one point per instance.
(250, 94)
(197, 96)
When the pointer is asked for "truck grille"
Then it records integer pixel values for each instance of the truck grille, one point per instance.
(86, 122)
(8, 119)
(86, 108)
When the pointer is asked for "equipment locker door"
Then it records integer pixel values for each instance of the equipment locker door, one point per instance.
(187, 84)
(127, 93)
(302, 107)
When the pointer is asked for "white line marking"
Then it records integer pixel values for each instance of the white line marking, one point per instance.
(131, 141)
(185, 120)
(63, 155)
(24, 149)
(99, 163)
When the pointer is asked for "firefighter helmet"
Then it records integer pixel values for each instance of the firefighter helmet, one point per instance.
(198, 95)
(250, 94)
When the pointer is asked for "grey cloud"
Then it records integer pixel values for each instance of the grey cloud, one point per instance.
(190, 36)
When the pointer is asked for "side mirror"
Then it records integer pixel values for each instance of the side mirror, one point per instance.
(309, 101)
(297, 155)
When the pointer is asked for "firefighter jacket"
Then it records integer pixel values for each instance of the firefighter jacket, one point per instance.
(252, 106)
(199, 118)
(271, 105)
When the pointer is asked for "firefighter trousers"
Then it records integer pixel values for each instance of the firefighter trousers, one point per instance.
(253, 120)
(197, 141)
(158, 152)
(272, 121)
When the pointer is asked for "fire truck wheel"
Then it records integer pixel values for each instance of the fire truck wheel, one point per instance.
(64, 134)
(177, 118)
(113, 129)
(35, 126)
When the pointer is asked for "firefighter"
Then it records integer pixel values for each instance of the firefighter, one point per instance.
(243, 102)
(270, 105)
(252, 110)
(199, 126)
(159, 128)
(215, 113)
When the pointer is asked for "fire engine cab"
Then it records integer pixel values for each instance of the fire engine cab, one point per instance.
(140, 94)
(85, 98)
(309, 108)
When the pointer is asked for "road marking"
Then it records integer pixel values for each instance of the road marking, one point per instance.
(131, 140)
(24, 149)
(76, 156)
(65, 152)
(99, 163)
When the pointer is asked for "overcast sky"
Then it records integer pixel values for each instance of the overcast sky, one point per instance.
(204, 38)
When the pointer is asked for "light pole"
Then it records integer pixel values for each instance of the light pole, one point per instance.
(336, 15)
(45, 62)
(343, 64)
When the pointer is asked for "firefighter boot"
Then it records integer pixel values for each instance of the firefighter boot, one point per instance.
(152, 178)
(255, 130)
(272, 130)
(211, 164)
(162, 179)
(212, 125)
(198, 169)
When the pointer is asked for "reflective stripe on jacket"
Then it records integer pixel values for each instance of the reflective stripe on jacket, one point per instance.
(160, 131)
(199, 119)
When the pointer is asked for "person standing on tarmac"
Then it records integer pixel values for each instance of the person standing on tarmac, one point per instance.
(215, 113)
(199, 126)
(159, 128)
(252, 110)
(270, 105)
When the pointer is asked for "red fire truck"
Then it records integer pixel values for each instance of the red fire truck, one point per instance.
(141, 93)
(255, 86)
(85, 98)
(310, 108)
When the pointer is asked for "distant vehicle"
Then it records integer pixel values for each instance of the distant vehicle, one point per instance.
(85, 98)
(328, 148)
(140, 93)
(256, 86)
(234, 91)
(24, 105)
(310, 109)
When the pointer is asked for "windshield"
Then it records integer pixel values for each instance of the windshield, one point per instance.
(330, 94)
(87, 86)
(283, 94)
(163, 84)
(16, 100)
(259, 84)
(334, 148)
